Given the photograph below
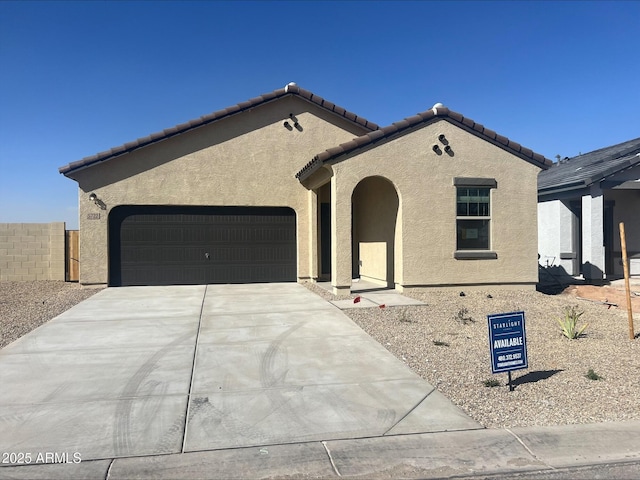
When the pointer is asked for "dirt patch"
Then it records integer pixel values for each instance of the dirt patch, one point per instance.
(607, 294)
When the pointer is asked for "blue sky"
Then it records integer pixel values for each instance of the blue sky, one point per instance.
(77, 78)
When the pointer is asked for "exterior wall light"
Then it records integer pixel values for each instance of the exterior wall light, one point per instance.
(94, 198)
(436, 149)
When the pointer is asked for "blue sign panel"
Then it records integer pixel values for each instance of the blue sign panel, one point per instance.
(507, 342)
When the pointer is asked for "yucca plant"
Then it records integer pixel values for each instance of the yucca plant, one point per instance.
(569, 324)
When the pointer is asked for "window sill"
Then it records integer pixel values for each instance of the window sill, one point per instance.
(474, 255)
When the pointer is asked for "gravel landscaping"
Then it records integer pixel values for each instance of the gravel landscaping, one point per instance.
(27, 305)
(446, 343)
(452, 354)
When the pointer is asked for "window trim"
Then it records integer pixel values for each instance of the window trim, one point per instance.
(475, 255)
(475, 182)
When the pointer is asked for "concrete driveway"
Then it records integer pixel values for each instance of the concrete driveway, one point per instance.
(152, 370)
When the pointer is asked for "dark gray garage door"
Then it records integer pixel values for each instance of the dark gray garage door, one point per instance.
(199, 245)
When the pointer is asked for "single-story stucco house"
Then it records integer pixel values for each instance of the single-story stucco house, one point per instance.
(288, 186)
(582, 201)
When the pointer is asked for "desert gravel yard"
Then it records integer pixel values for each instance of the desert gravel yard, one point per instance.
(27, 305)
(446, 342)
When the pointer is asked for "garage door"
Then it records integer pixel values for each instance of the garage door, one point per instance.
(200, 245)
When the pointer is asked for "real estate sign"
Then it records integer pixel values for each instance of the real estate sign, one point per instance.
(507, 342)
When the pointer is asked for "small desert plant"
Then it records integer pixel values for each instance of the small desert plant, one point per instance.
(569, 324)
(591, 375)
(463, 316)
(440, 343)
(492, 382)
(404, 317)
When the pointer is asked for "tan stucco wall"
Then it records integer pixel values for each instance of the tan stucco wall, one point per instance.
(424, 182)
(249, 159)
(32, 251)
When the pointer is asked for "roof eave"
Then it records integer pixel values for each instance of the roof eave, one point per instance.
(630, 163)
(419, 121)
(561, 188)
(503, 142)
(558, 187)
(289, 90)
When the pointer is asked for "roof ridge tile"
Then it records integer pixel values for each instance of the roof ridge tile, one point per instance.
(468, 122)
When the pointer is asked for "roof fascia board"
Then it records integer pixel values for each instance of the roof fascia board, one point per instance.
(611, 184)
(577, 189)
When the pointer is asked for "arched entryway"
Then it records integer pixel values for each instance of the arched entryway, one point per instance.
(374, 214)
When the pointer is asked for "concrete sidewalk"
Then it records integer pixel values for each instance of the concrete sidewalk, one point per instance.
(460, 454)
(247, 381)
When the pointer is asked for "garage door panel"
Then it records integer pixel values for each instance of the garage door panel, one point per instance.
(196, 245)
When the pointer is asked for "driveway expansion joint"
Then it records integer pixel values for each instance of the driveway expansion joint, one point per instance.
(193, 370)
(409, 412)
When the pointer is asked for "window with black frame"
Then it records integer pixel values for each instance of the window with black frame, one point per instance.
(473, 217)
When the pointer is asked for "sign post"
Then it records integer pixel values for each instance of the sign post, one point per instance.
(625, 263)
(507, 343)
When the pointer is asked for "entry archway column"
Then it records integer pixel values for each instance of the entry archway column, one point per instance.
(340, 237)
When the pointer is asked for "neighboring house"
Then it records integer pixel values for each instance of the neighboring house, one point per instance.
(243, 195)
(582, 200)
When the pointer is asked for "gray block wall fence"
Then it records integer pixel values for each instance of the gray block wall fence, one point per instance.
(32, 251)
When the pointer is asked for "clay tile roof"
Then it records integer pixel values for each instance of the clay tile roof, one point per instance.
(494, 136)
(468, 122)
(402, 124)
(415, 121)
(373, 136)
(291, 89)
(502, 140)
(515, 145)
(424, 115)
(456, 116)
